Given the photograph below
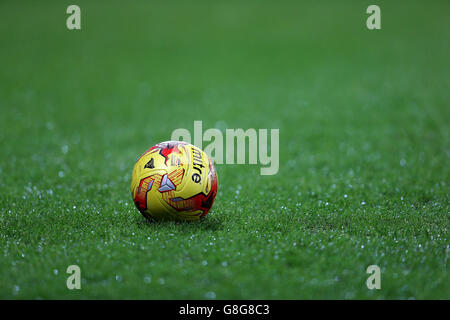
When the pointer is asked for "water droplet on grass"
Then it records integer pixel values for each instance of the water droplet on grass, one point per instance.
(16, 289)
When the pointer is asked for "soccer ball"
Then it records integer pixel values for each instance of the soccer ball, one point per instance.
(174, 180)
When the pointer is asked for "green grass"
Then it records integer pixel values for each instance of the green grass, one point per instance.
(364, 148)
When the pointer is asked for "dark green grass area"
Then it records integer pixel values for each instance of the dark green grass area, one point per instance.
(364, 148)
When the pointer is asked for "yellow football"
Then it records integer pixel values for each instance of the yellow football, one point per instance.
(174, 180)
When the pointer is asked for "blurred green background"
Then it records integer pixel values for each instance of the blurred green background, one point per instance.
(364, 147)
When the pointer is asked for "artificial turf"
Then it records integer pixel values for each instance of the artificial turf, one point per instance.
(364, 148)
